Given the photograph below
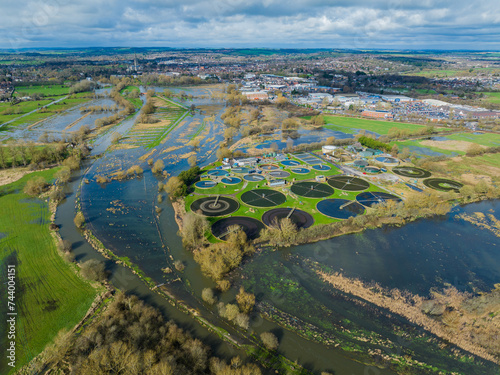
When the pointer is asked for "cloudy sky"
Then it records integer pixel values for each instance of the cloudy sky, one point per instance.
(412, 24)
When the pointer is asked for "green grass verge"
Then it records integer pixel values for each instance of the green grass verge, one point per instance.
(136, 102)
(49, 294)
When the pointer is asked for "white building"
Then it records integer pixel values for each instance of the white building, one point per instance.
(320, 96)
(328, 149)
(396, 98)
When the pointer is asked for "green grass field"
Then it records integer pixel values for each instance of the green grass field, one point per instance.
(21, 62)
(47, 90)
(439, 73)
(416, 143)
(351, 124)
(492, 97)
(426, 91)
(130, 89)
(487, 164)
(49, 294)
(485, 139)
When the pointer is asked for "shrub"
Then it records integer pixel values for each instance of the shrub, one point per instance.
(245, 300)
(223, 285)
(79, 220)
(101, 179)
(57, 195)
(73, 163)
(373, 143)
(135, 169)
(474, 150)
(269, 340)
(66, 246)
(175, 187)
(190, 176)
(242, 320)
(35, 186)
(192, 160)
(208, 296)
(218, 259)
(193, 229)
(69, 257)
(94, 270)
(63, 175)
(179, 266)
(158, 166)
(228, 311)
(115, 138)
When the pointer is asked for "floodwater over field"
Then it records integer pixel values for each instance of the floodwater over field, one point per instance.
(416, 257)
(66, 122)
(306, 136)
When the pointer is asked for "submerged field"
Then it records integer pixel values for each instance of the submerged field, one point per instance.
(168, 115)
(19, 114)
(49, 294)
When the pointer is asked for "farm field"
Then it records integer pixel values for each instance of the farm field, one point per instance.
(484, 139)
(453, 144)
(351, 124)
(168, 115)
(26, 107)
(21, 62)
(484, 165)
(438, 73)
(492, 97)
(418, 147)
(137, 102)
(46, 90)
(49, 294)
(129, 89)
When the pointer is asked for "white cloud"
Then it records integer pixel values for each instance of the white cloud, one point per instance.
(299, 23)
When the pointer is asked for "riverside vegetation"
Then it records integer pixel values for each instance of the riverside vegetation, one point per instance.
(130, 338)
